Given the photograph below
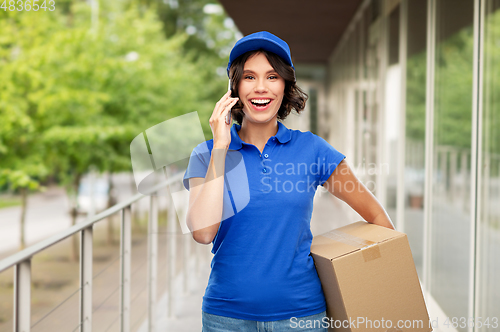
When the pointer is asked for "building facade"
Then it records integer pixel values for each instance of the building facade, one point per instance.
(410, 91)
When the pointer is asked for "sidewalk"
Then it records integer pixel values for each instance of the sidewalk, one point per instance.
(187, 307)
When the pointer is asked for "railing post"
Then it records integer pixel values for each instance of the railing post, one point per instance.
(196, 258)
(171, 254)
(86, 280)
(453, 175)
(22, 296)
(186, 240)
(187, 259)
(464, 173)
(125, 268)
(152, 261)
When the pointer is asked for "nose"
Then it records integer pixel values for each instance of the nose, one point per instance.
(261, 86)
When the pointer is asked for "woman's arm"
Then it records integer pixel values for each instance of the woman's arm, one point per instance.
(205, 200)
(206, 194)
(344, 185)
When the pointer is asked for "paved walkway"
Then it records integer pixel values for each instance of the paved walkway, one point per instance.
(186, 306)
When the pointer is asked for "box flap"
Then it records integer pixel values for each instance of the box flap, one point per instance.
(351, 238)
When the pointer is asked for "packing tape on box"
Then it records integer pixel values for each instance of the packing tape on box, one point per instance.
(369, 249)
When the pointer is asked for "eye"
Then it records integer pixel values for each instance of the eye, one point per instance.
(273, 77)
(248, 77)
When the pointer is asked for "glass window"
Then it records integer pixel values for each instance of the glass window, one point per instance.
(392, 114)
(451, 208)
(414, 169)
(489, 183)
(369, 103)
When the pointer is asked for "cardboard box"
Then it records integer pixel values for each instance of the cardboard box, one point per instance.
(369, 280)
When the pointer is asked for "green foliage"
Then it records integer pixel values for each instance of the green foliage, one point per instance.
(415, 97)
(491, 86)
(210, 35)
(211, 32)
(75, 94)
(453, 92)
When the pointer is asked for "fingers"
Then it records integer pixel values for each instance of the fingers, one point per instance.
(218, 123)
(225, 104)
(229, 106)
(223, 107)
(224, 98)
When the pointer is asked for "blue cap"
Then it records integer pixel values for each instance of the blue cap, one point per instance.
(260, 40)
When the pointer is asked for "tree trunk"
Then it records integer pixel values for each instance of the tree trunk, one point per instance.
(74, 214)
(24, 199)
(111, 201)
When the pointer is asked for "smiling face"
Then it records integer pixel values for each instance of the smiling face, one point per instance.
(261, 90)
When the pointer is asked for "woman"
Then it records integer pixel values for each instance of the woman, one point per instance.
(262, 272)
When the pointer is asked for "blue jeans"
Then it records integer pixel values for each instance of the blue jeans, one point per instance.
(216, 323)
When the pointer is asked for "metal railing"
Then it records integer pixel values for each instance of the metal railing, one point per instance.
(21, 262)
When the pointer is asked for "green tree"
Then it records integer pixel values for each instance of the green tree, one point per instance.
(453, 91)
(75, 95)
(21, 158)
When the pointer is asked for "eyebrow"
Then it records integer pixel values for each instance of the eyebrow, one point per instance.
(251, 71)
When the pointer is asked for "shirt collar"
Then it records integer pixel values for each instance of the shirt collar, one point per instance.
(283, 135)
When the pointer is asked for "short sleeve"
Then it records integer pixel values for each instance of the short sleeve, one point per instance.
(198, 164)
(328, 158)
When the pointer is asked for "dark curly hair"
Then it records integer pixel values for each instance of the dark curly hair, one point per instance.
(293, 99)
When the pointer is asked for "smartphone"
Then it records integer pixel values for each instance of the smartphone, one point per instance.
(228, 116)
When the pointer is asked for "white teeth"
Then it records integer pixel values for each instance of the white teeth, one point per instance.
(261, 101)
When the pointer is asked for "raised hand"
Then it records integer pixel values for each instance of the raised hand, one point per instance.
(221, 130)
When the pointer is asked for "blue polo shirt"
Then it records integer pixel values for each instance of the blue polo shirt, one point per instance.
(262, 268)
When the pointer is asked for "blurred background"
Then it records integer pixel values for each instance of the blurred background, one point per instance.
(407, 89)
(78, 81)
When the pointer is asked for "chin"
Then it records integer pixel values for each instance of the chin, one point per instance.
(260, 117)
